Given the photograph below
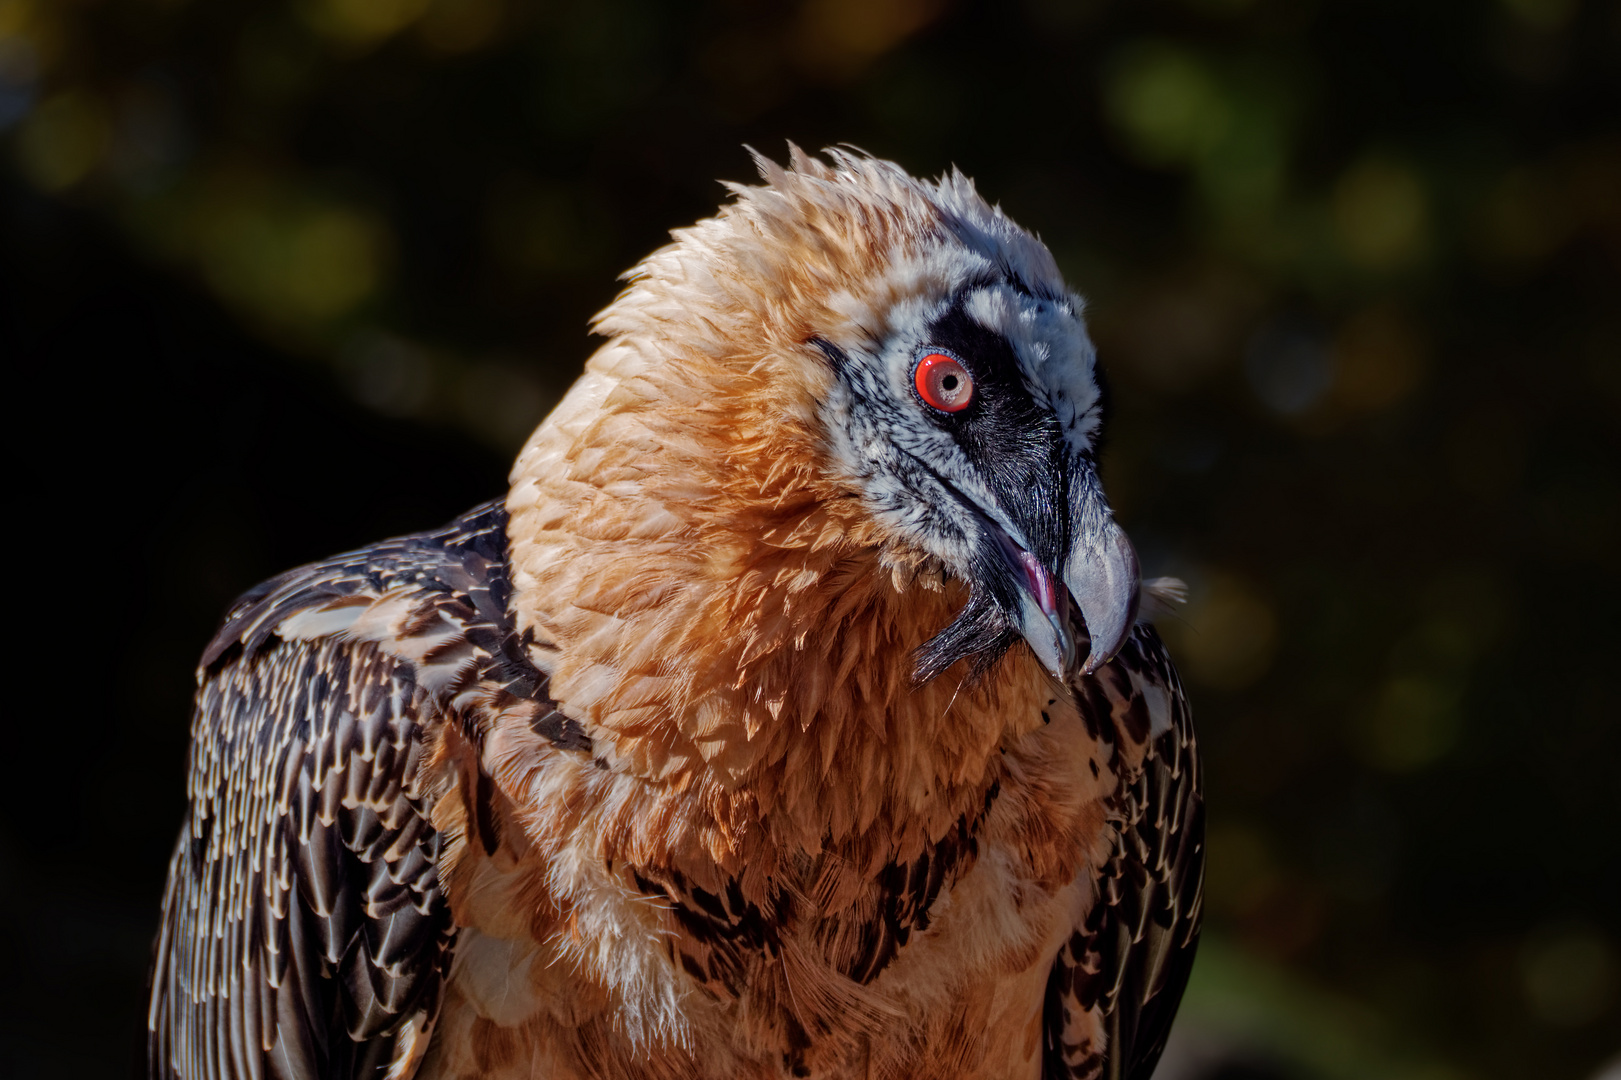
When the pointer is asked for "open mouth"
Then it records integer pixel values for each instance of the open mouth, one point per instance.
(1048, 593)
(1099, 587)
(1044, 602)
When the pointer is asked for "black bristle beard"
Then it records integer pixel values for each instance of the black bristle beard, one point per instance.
(980, 632)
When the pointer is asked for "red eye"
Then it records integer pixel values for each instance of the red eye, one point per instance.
(944, 383)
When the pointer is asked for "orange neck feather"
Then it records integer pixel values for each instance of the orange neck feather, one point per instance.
(726, 623)
(723, 616)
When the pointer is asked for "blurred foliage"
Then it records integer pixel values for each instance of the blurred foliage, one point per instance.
(1353, 271)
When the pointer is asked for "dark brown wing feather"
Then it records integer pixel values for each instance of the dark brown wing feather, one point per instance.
(303, 923)
(1131, 958)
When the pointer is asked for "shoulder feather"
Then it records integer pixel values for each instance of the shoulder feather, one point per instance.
(305, 929)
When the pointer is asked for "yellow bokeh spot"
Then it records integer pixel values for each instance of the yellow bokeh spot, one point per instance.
(1570, 975)
(1413, 723)
(460, 26)
(331, 264)
(364, 21)
(1165, 103)
(1542, 14)
(33, 36)
(839, 38)
(15, 16)
(1381, 214)
(63, 141)
(1227, 636)
(294, 264)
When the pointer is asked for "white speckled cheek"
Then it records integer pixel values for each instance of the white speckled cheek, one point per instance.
(844, 431)
(876, 434)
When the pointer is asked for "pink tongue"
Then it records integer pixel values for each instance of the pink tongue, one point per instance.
(1041, 582)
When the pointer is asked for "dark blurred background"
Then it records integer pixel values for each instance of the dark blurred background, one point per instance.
(282, 278)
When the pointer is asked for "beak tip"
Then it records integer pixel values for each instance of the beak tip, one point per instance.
(1104, 583)
(1097, 658)
(1054, 651)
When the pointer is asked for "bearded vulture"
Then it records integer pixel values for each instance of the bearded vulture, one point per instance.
(794, 714)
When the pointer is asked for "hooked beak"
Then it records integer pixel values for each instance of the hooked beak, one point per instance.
(1101, 571)
(1091, 589)
(1103, 581)
(1100, 577)
(1043, 609)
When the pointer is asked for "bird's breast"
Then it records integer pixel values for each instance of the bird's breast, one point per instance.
(603, 937)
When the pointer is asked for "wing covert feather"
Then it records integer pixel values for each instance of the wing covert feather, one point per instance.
(1125, 968)
(303, 921)
(305, 933)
